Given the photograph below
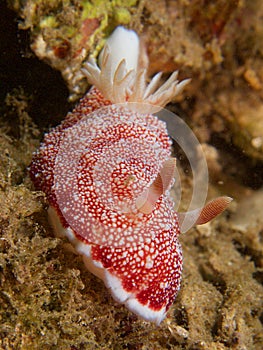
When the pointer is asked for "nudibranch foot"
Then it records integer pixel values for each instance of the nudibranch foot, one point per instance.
(147, 288)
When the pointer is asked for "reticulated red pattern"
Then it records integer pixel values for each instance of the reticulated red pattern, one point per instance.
(151, 271)
(120, 153)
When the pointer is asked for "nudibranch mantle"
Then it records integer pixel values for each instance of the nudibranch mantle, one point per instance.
(107, 172)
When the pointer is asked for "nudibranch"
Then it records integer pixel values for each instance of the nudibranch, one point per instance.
(107, 172)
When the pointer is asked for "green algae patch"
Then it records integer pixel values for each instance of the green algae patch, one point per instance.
(65, 33)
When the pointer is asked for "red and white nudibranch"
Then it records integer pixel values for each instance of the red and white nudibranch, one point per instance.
(107, 172)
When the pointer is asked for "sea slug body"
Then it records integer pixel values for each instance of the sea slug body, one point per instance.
(107, 172)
